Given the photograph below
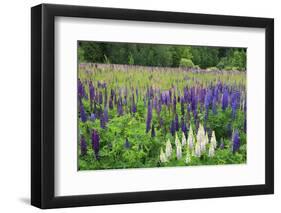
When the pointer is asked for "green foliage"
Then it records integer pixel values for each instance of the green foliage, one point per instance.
(161, 55)
(236, 60)
(131, 59)
(106, 60)
(80, 53)
(187, 63)
(205, 56)
(144, 150)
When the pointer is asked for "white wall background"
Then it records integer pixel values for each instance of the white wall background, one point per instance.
(15, 105)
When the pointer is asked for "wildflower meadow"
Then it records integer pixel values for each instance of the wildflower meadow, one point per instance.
(140, 115)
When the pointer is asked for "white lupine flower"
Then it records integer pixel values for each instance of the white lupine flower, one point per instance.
(200, 140)
(187, 158)
(197, 150)
(183, 140)
(204, 142)
(211, 150)
(202, 147)
(206, 139)
(190, 139)
(179, 152)
(163, 158)
(213, 140)
(200, 134)
(169, 149)
(177, 141)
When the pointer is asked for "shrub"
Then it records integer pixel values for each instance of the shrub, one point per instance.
(187, 63)
(212, 69)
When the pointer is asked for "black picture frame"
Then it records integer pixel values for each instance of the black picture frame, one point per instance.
(43, 105)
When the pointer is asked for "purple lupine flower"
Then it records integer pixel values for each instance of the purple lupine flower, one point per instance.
(83, 146)
(188, 108)
(115, 99)
(152, 131)
(182, 105)
(110, 103)
(175, 104)
(202, 94)
(165, 97)
(125, 100)
(91, 91)
(176, 122)
(134, 107)
(149, 116)
(81, 90)
(137, 94)
(96, 143)
(193, 100)
(159, 107)
(105, 96)
(236, 141)
(185, 94)
(169, 97)
(194, 106)
(235, 96)
(208, 99)
(214, 106)
(216, 94)
(183, 126)
(105, 114)
(120, 107)
(100, 98)
(83, 115)
(93, 117)
(155, 103)
(225, 99)
(102, 120)
(127, 145)
(172, 128)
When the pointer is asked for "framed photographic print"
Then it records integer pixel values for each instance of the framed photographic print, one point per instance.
(139, 106)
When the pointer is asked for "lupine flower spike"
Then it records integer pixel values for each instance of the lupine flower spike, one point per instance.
(236, 141)
(177, 141)
(169, 149)
(211, 150)
(197, 151)
(83, 146)
(127, 145)
(163, 158)
(183, 140)
(201, 138)
(179, 152)
(190, 139)
(96, 143)
(213, 140)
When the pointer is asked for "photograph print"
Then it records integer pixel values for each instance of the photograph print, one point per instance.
(160, 105)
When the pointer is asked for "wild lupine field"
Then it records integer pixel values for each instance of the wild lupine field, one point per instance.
(140, 117)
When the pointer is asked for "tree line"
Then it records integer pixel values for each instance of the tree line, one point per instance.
(162, 55)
